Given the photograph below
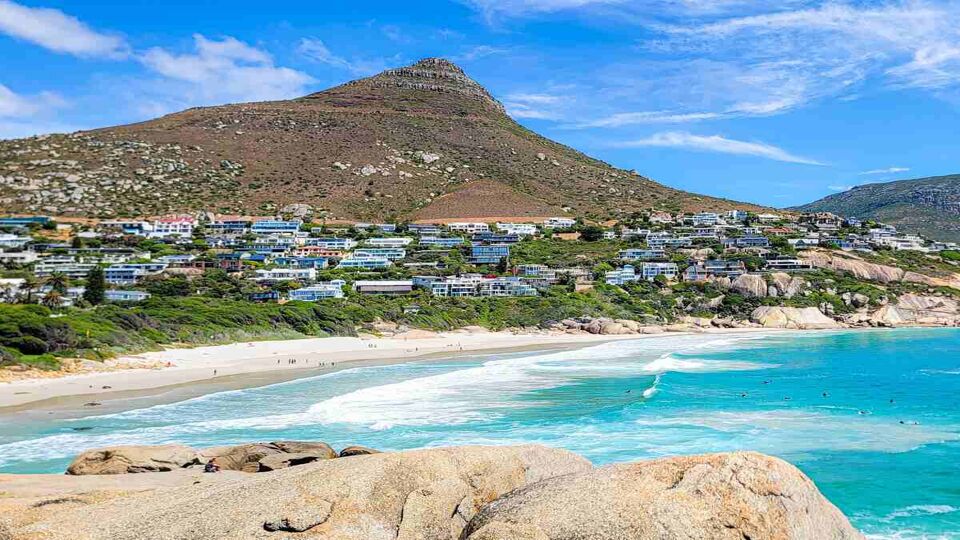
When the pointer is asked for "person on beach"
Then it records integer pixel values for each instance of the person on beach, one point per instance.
(211, 466)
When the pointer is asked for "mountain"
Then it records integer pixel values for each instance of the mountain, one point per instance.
(930, 206)
(418, 142)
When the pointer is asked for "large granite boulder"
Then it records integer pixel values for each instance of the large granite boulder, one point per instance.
(421, 494)
(718, 497)
(248, 457)
(808, 318)
(750, 285)
(786, 285)
(357, 451)
(243, 457)
(133, 459)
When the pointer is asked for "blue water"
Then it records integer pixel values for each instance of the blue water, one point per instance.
(872, 416)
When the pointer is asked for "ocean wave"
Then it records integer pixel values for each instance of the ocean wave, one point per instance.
(792, 431)
(653, 389)
(941, 371)
(920, 510)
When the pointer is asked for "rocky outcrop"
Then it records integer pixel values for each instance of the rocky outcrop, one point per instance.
(133, 459)
(750, 285)
(719, 496)
(357, 451)
(422, 494)
(255, 457)
(464, 493)
(808, 318)
(858, 268)
(605, 326)
(875, 272)
(785, 285)
(914, 309)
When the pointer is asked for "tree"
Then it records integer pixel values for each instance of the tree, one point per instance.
(591, 233)
(94, 293)
(52, 299)
(58, 281)
(26, 289)
(76, 242)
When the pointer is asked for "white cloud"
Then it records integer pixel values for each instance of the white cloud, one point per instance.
(221, 71)
(480, 51)
(889, 170)
(316, 50)
(58, 32)
(648, 117)
(519, 8)
(719, 144)
(910, 43)
(25, 115)
(13, 105)
(840, 188)
(539, 106)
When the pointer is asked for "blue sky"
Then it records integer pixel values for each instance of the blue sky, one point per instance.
(773, 102)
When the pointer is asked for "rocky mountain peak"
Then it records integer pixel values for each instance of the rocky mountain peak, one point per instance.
(436, 75)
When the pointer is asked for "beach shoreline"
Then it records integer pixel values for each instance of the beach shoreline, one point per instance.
(177, 374)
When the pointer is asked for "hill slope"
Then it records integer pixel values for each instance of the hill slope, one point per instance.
(930, 206)
(420, 142)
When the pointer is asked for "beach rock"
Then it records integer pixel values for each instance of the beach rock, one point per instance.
(719, 496)
(594, 327)
(571, 324)
(808, 318)
(428, 494)
(133, 459)
(848, 263)
(274, 462)
(244, 457)
(320, 449)
(750, 285)
(300, 520)
(887, 316)
(357, 451)
(786, 285)
(613, 329)
(632, 326)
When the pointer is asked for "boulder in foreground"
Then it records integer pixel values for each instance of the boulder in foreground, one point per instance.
(808, 318)
(133, 459)
(421, 494)
(461, 493)
(718, 496)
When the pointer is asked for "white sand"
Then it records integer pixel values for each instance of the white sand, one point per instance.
(204, 363)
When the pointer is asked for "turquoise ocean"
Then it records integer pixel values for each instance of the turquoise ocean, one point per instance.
(872, 416)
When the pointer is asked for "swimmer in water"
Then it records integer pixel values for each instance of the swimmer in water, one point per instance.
(826, 394)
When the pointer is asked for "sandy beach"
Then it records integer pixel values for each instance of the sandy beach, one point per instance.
(262, 362)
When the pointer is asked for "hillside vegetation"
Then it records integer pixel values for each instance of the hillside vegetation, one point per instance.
(930, 206)
(420, 142)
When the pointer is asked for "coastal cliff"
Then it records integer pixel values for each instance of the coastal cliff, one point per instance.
(460, 493)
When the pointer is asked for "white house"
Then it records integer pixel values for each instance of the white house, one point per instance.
(519, 229)
(622, 276)
(330, 289)
(468, 227)
(286, 274)
(651, 270)
(395, 242)
(559, 223)
(173, 227)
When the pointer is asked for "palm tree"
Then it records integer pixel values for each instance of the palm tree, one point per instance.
(27, 288)
(53, 299)
(58, 281)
